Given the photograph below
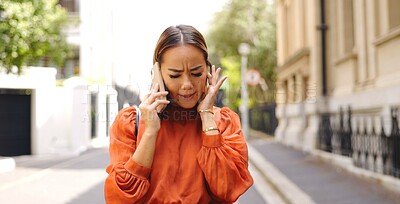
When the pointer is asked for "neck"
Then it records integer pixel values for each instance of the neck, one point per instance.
(177, 113)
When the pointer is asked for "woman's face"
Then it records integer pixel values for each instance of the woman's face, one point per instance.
(184, 71)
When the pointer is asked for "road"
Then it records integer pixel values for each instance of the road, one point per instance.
(67, 180)
(56, 179)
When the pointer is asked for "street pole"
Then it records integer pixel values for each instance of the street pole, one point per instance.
(244, 50)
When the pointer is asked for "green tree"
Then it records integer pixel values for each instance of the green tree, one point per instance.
(29, 31)
(252, 22)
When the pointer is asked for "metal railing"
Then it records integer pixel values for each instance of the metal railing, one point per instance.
(263, 118)
(357, 137)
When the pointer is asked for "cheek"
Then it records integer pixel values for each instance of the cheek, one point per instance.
(171, 86)
(201, 84)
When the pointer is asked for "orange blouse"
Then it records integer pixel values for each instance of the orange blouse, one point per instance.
(188, 166)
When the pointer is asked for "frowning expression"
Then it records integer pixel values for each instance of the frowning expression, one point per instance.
(184, 71)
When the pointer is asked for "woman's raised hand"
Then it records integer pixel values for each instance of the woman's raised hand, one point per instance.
(214, 83)
(148, 108)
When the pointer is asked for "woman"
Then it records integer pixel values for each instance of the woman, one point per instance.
(191, 152)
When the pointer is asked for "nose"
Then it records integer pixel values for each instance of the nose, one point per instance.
(186, 84)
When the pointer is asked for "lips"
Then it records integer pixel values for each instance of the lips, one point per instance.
(187, 97)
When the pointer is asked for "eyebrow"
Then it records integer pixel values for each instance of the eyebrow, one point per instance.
(179, 71)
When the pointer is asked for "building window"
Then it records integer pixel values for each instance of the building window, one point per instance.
(70, 5)
(286, 31)
(394, 14)
(343, 27)
(348, 26)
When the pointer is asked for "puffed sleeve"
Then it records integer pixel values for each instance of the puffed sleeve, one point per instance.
(127, 181)
(224, 158)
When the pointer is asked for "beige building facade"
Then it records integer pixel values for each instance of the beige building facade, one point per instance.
(356, 65)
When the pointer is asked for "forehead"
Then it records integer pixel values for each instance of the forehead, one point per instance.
(183, 53)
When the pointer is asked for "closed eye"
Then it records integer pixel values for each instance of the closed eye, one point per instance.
(198, 68)
(174, 76)
(194, 74)
(197, 74)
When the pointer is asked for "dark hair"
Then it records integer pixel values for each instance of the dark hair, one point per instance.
(180, 35)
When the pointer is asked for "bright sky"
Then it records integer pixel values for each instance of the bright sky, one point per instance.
(138, 24)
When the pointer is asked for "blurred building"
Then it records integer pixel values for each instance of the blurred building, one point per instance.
(63, 109)
(90, 32)
(333, 56)
(71, 66)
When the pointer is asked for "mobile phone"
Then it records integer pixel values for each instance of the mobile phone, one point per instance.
(157, 78)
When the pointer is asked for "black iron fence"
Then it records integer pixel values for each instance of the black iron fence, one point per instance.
(263, 118)
(358, 138)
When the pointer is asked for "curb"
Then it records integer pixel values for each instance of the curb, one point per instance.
(346, 163)
(286, 188)
(6, 164)
(267, 192)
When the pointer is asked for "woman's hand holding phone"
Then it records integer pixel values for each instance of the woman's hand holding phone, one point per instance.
(214, 83)
(149, 106)
(156, 78)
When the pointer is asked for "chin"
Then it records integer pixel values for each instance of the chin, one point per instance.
(187, 105)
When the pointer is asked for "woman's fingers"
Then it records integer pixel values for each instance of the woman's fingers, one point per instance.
(220, 82)
(153, 89)
(209, 77)
(216, 75)
(157, 102)
(154, 93)
(213, 76)
(154, 97)
(152, 100)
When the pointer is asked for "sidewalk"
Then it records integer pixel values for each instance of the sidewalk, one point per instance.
(319, 177)
(6, 164)
(56, 179)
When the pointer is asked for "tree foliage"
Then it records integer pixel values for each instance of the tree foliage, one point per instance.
(252, 22)
(29, 31)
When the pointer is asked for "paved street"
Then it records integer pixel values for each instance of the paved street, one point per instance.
(53, 180)
(281, 174)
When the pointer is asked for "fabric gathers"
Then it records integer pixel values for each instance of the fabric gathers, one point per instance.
(188, 166)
